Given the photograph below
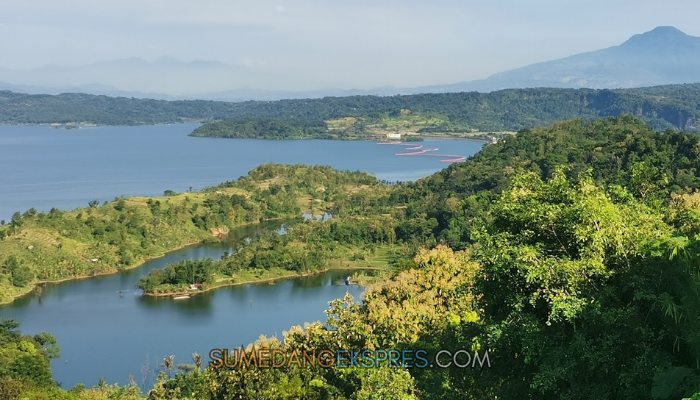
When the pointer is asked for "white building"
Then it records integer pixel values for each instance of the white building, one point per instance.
(393, 136)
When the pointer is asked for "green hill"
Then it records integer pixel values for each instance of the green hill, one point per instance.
(562, 261)
(664, 107)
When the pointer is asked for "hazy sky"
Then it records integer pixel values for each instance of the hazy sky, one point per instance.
(330, 43)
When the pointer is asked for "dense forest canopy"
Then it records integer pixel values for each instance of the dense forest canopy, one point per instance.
(264, 128)
(664, 107)
(569, 253)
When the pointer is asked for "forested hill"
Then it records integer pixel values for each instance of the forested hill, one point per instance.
(664, 107)
(559, 263)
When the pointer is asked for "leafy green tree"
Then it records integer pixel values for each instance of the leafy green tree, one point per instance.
(33, 368)
(16, 220)
(9, 332)
(20, 274)
(48, 344)
(571, 275)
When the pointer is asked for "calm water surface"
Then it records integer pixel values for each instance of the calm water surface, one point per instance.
(103, 335)
(44, 167)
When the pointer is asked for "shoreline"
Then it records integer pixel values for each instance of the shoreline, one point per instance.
(466, 139)
(34, 285)
(369, 138)
(76, 125)
(256, 281)
(111, 272)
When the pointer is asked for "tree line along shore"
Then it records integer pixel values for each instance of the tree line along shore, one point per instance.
(568, 252)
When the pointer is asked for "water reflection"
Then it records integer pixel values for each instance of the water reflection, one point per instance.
(194, 306)
(90, 314)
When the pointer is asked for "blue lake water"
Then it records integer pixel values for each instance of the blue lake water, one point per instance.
(105, 335)
(45, 167)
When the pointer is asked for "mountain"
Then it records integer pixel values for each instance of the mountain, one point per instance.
(662, 56)
(95, 88)
(165, 77)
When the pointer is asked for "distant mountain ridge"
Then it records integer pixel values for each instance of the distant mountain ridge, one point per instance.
(662, 56)
(166, 78)
(664, 107)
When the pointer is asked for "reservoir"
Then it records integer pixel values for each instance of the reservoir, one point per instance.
(45, 167)
(103, 334)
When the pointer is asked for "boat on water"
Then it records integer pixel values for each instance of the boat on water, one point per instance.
(181, 297)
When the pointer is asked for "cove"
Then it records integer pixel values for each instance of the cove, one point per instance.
(103, 335)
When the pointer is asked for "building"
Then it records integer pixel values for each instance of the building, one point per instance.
(396, 136)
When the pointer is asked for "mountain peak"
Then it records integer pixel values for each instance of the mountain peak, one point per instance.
(659, 35)
(665, 31)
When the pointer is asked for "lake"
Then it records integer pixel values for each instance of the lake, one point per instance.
(105, 335)
(45, 167)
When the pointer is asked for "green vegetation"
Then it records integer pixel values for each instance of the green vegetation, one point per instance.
(620, 151)
(258, 128)
(569, 253)
(306, 248)
(38, 247)
(24, 360)
(25, 370)
(178, 276)
(410, 125)
(664, 107)
(578, 280)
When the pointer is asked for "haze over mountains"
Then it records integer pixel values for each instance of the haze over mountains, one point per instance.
(664, 55)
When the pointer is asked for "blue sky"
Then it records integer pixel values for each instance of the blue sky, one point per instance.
(344, 44)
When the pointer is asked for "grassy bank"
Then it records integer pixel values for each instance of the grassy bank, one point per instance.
(40, 247)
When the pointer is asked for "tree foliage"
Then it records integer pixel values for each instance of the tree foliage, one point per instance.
(664, 107)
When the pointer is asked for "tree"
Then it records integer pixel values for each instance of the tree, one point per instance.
(16, 220)
(20, 274)
(169, 363)
(9, 332)
(33, 368)
(198, 360)
(564, 266)
(48, 344)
